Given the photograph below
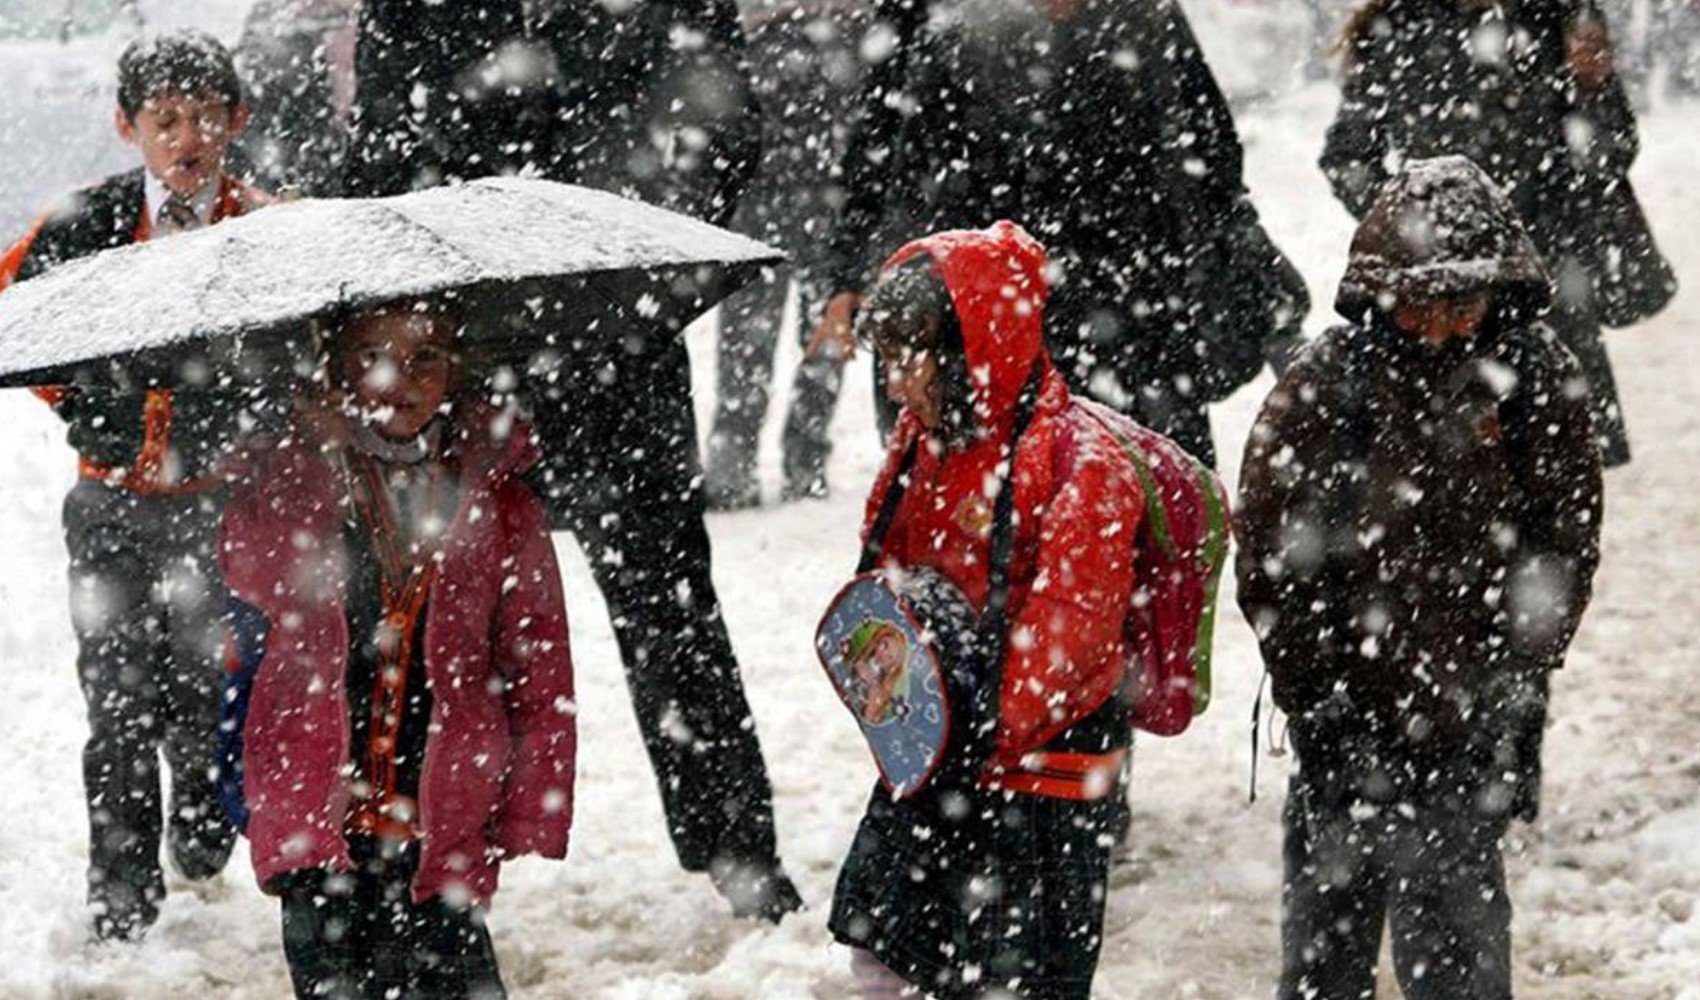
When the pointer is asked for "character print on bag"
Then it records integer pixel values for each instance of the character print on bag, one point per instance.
(898, 650)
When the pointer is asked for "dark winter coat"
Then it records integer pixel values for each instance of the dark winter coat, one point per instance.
(497, 775)
(433, 101)
(145, 440)
(964, 888)
(293, 59)
(653, 99)
(650, 99)
(1433, 77)
(806, 65)
(1134, 179)
(1419, 526)
(936, 139)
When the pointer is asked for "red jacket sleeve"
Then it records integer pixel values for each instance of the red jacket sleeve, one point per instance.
(533, 654)
(1064, 651)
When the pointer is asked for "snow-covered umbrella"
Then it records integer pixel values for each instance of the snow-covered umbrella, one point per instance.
(535, 267)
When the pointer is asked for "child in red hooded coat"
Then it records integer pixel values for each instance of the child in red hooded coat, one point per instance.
(993, 878)
(401, 715)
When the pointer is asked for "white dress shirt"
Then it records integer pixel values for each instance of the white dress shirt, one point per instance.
(203, 202)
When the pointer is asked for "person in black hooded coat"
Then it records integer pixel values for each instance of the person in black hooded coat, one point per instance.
(1419, 528)
(590, 94)
(1524, 88)
(806, 63)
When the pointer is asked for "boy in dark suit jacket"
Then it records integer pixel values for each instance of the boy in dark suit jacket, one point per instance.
(146, 600)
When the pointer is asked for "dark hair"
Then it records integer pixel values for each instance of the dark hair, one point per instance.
(906, 309)
(185, 61)
(332, 329)
(909, 309)
(1360, 28)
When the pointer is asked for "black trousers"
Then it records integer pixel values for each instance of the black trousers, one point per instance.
(148, 606)
(622, 474)
(360, 935)
(750, 325)
(1433, 875)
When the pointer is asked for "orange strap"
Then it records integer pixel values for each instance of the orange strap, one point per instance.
(404, 584)
(147, 476)
(13, 261)
(1082, 777)
(383, 811)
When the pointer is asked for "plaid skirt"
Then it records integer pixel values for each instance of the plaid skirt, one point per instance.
(971, 893)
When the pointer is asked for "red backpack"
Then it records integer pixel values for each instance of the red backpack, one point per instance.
(1179, 552)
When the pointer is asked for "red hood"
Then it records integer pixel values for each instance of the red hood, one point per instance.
(996, 279)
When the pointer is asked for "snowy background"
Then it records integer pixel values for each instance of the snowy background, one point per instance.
(1606, 885)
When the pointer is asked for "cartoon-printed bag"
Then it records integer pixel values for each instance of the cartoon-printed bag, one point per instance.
(909, 656)
(899, 649)
(1178, 555)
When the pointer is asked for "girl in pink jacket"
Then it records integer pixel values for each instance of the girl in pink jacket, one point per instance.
(400, 716)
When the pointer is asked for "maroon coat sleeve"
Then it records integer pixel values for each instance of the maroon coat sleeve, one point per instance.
(533, 655)
(1556, 460)
(1291, 539)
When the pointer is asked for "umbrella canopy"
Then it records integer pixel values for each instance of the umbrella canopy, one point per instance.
(535, 267)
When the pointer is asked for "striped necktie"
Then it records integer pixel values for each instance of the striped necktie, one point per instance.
(178, 215)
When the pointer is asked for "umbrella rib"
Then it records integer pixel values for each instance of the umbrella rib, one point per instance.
(215, 277)
(470, 263)
(545, 204)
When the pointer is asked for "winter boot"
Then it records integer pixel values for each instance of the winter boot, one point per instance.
(123, 910)
(199, 841)
(760, 890)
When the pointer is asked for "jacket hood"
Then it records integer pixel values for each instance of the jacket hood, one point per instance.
(996, 280)
(1441, 229)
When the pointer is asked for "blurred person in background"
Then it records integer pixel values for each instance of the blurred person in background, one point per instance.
(1528, 91)
(807, 66)
(297, 63)
(650, 99)
(934, 143)
(1673, 37)
(1101, 125)
(1169, 291)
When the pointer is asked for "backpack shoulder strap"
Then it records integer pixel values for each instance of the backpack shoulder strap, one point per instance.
(888, 509)
(992, 633)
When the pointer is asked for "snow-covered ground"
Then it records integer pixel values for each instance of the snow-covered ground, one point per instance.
(1606, 885)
